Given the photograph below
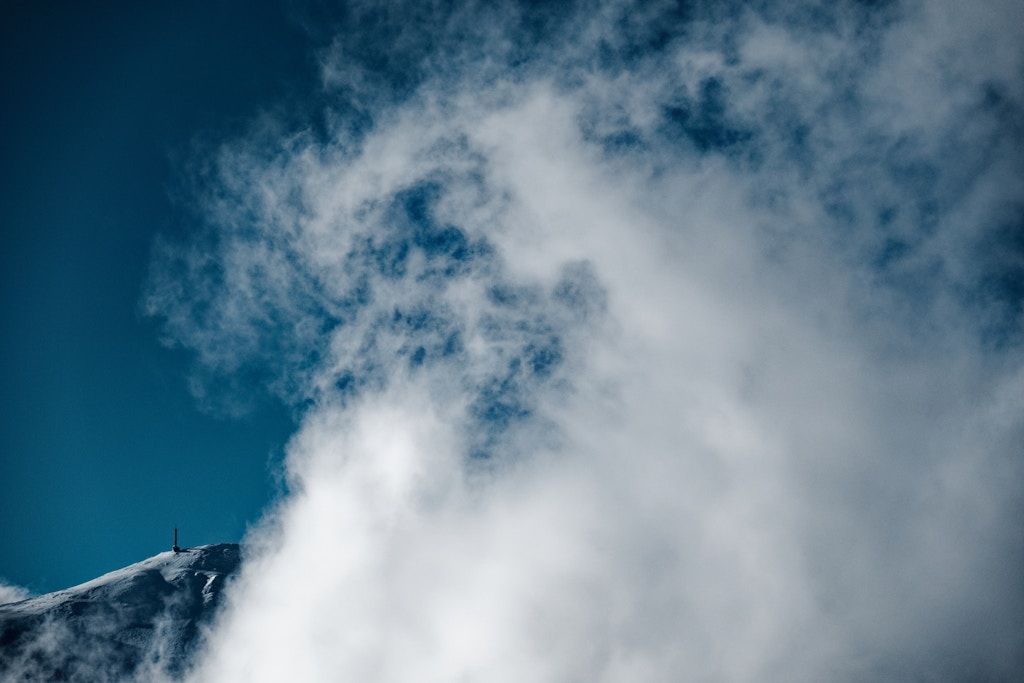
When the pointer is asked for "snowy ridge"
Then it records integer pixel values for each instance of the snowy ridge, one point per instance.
(142, 618)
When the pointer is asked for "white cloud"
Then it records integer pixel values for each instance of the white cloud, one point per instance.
(781, 441)
(10, 593)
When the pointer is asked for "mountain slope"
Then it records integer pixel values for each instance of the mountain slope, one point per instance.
(140, 618)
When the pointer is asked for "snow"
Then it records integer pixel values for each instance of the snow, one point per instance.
(147, 614)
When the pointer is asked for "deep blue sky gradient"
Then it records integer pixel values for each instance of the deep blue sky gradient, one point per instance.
(102, 448)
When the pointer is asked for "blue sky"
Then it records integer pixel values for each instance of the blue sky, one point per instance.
(103, 447)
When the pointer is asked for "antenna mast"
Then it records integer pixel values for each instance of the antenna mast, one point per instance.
(175, 548)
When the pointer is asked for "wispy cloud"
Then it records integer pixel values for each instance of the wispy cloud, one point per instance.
(630, 343)
(11, 593)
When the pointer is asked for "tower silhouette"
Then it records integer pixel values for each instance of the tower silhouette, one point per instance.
(175, 548)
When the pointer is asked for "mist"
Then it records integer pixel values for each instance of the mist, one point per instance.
(11, 593)
(627, 344)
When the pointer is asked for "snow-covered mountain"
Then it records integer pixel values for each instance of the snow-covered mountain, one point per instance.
(145, 617)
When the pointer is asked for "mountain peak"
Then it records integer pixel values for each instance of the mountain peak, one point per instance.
(146, 614)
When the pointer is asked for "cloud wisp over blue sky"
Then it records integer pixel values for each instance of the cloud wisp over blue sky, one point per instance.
(629, 341)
